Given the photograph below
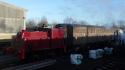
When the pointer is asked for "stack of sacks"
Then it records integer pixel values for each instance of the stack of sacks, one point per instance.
(100, 53)
(95, 54)
(76, 59)
(108, 50)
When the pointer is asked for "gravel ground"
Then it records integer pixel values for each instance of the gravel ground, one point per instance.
(105, 63)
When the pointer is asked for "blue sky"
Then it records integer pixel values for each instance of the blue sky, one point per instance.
(91, 11)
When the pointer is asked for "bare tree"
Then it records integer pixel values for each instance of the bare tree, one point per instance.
(83, 22)
(118, 24)
(114, 25)
(69, 20)
(43, 22)
(121, 24)
(54, 23)
(30, 24)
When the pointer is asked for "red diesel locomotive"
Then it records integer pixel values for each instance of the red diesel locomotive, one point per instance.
(57, 40)
(30, 42)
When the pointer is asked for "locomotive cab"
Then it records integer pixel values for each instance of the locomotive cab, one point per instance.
(39, 41)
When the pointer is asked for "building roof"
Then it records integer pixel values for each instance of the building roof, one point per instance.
(12, 6)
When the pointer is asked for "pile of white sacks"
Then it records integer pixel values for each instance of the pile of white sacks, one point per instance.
(99, 53)
(93, 54)
(76, 59)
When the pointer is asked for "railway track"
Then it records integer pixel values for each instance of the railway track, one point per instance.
(108, 63)
(107, 66)
(33, 66)
(7, 61)
(113, 64)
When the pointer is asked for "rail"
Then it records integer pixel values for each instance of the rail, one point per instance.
(32, 66)
(7, 59)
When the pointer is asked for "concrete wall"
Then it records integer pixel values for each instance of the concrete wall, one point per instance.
(11, 18)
